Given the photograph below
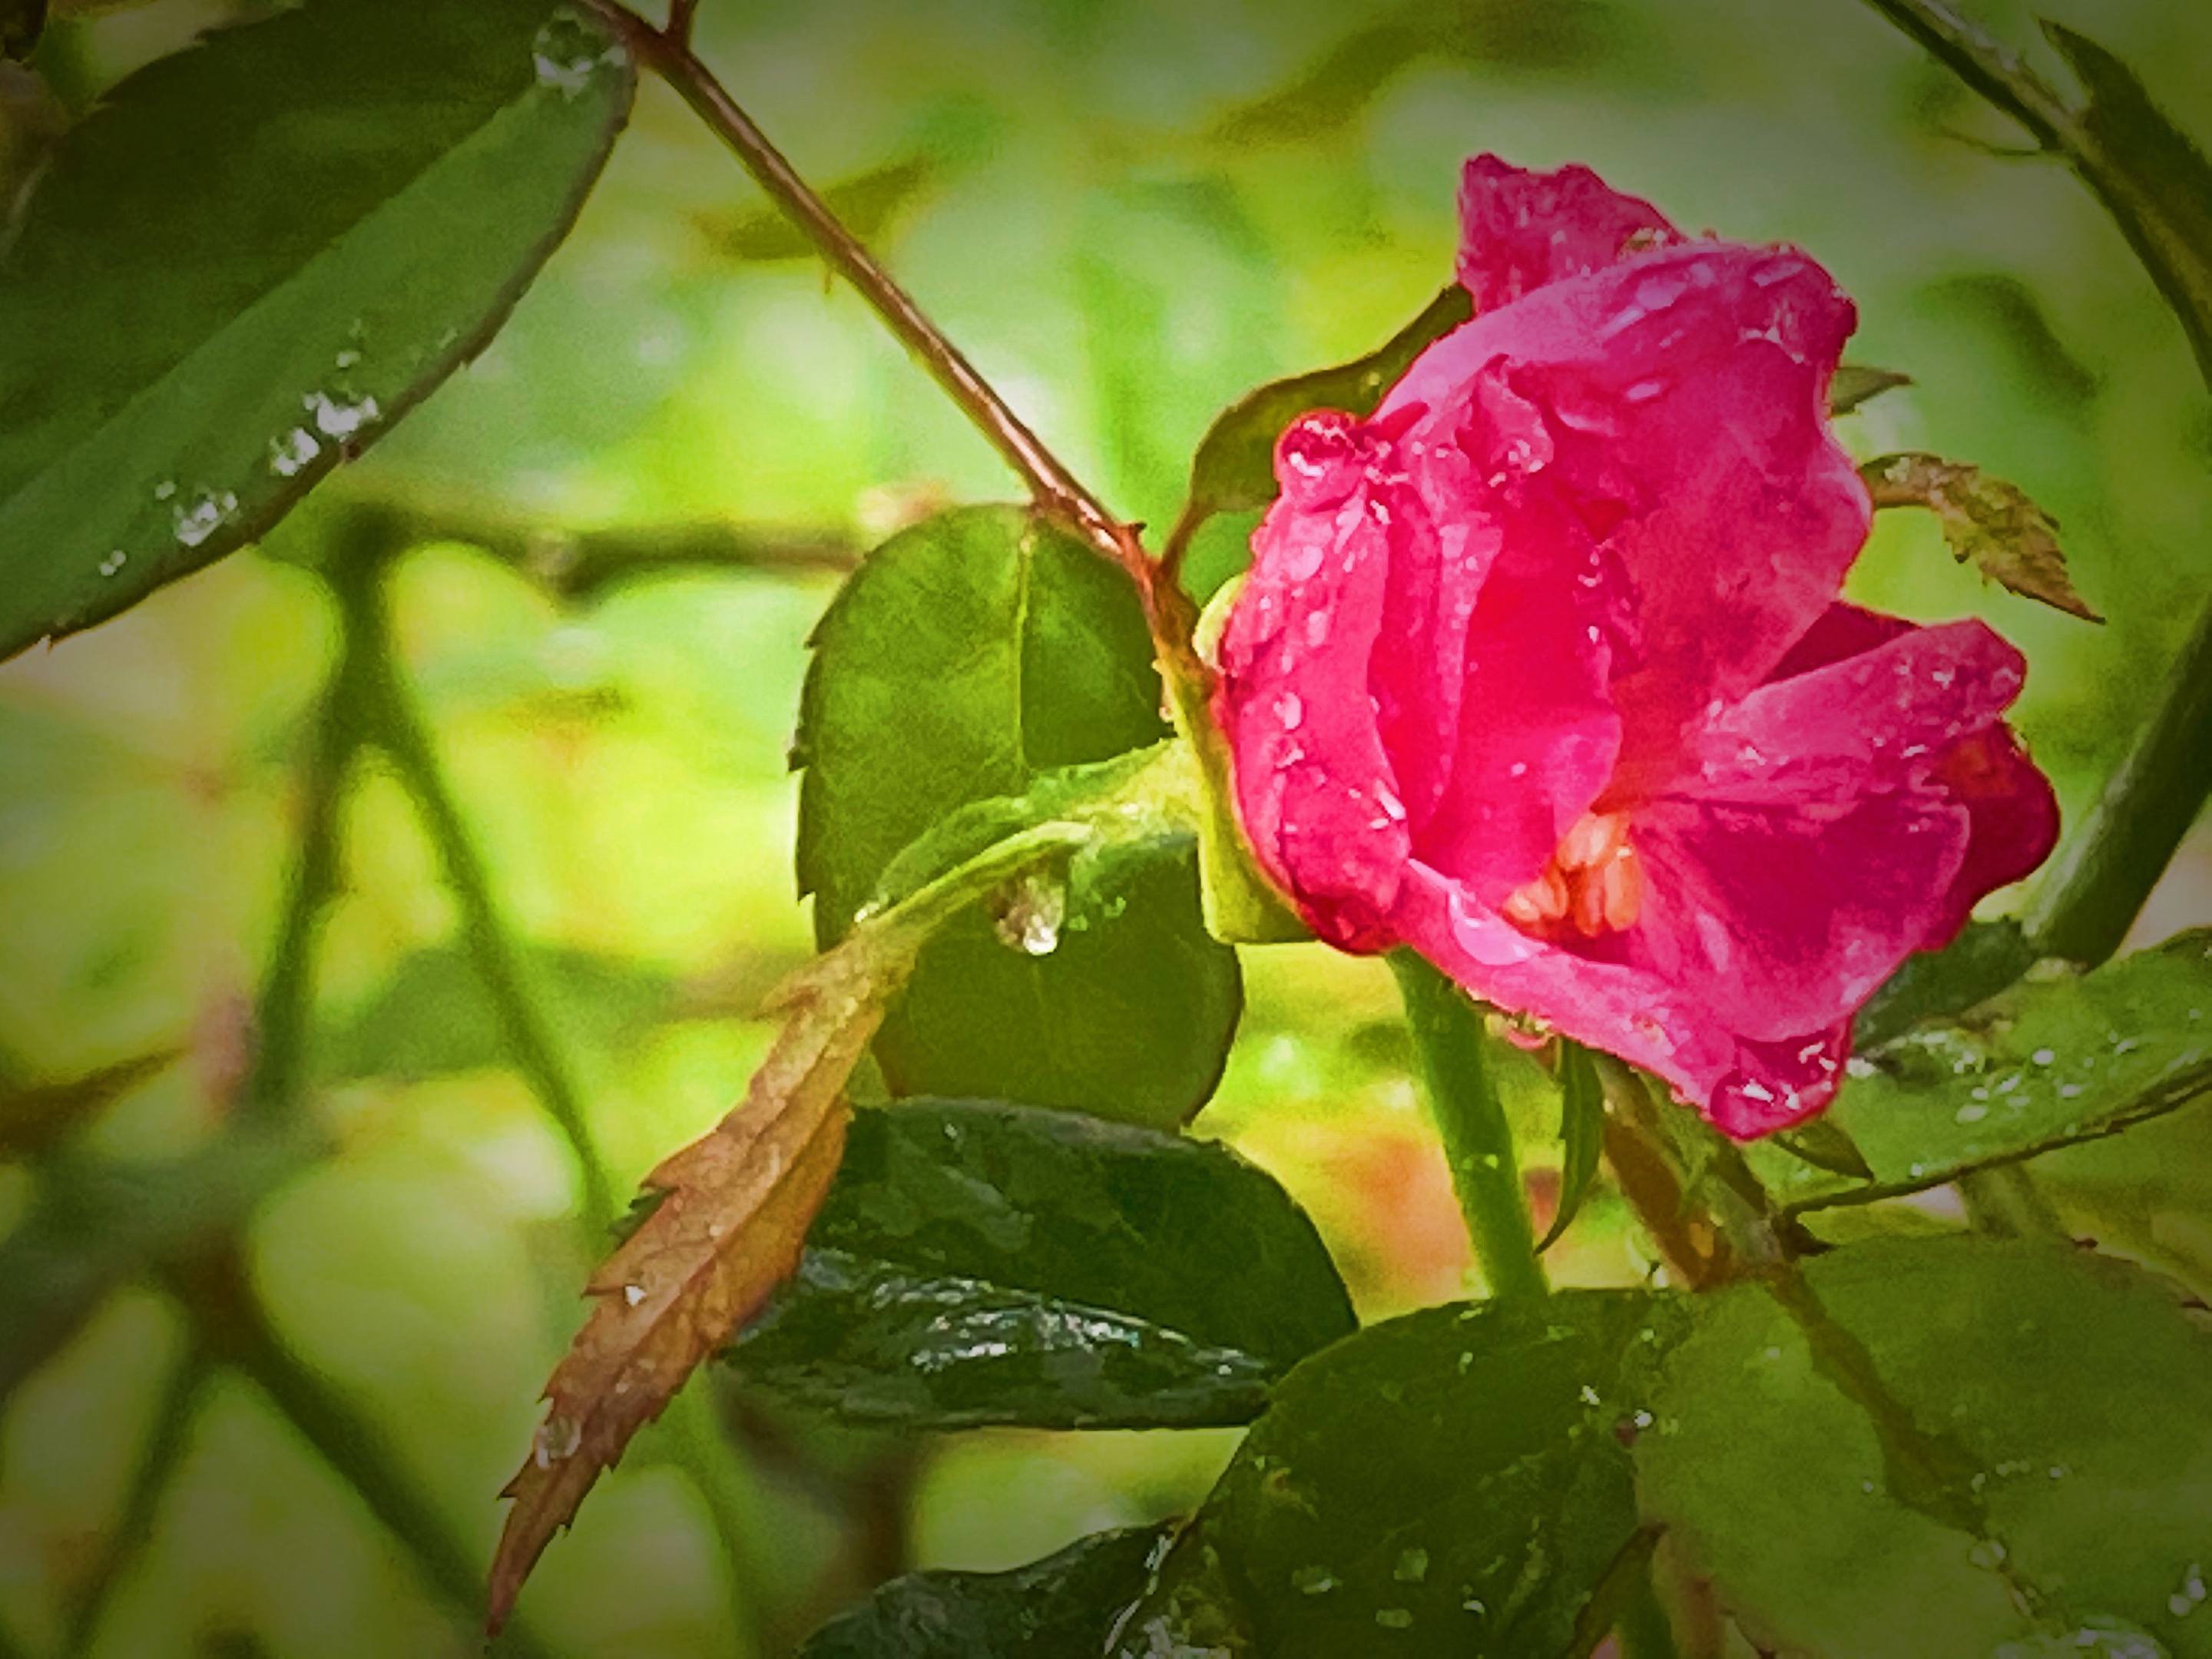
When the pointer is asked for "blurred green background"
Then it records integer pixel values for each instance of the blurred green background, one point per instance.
(1127, 212)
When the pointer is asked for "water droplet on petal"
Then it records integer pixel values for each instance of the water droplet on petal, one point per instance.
(1488, 937)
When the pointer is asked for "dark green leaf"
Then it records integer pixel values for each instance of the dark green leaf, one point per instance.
(1454, 1482)
(255, 256)
(1825, 1145)
(2046, 1064)
(1059, 1607)
(1235, 466)
(1934, 1448)
(1581, 1133)
(1853, 385)
(1985, 957)
(984, 1263)
(432, 1017)
(968, 657)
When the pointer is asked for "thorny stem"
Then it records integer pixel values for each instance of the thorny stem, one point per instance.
(1449, 1036)
(1052, 487)
(1990, 69)
(167, 1442)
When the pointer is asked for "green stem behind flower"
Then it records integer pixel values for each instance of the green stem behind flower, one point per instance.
(1454, 1045)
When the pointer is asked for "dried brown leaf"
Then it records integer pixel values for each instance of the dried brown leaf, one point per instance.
(733, 1216)
(2009, 539)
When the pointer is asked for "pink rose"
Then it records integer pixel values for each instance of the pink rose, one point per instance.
(1542, 670)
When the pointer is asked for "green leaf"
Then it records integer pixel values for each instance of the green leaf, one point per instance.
(966, 659)
(1988, 522)
(1934, 1448)
(984, 1263)
(1062, 1606)
(1235, 466)
(2044, 1065)
(254, 257)
(434, 1018)
(1454, 1482)
(1581, 1135)
(1984, 959)
(1854, 384)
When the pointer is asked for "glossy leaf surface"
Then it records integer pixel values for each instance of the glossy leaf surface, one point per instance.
(1064, 1604)
(968, 657)
(1454, 1482)
(1943, 1446)
(256, 255)
(983, 1263)
(2045, 1064)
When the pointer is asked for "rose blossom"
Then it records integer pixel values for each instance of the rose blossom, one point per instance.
(1541, 669)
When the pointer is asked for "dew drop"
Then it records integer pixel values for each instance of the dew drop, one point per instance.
(1489, 939)
(113, 562)
(1413, 1566)
(292, 452)
(1313, 1581)
(1394, 1618)
(632, 1294)
(1030, 914)
(556, 1440)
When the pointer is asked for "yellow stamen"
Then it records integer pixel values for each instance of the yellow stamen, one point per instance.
(1594, 885)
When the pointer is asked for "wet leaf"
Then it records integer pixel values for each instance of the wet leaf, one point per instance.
(1064, 1605)
(1235, 466)
(2045, 1064)
(1994, 525)
(1456, 1481)
(984, 1263)
(1943, 1447)
(257, 254)
(36, 1117)
(1984, 959)
(1581, 1135)
(967, 660)
(725, 1219)
(1854, 384)
(733, 1210)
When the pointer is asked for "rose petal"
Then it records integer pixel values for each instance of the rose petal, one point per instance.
(1681, 393)
(1315, 792)
(1520, 230)
(1622, 1009)
(1783, 917)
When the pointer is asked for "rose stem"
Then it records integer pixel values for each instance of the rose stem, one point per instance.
(1450, 1037)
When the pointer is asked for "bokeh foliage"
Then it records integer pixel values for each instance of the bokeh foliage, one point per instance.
(1129, 214)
